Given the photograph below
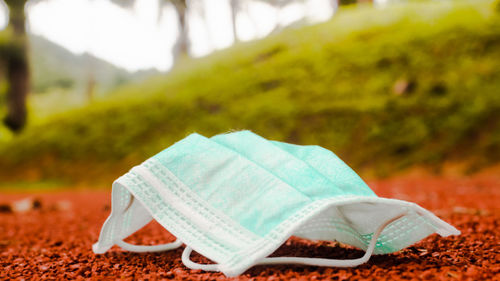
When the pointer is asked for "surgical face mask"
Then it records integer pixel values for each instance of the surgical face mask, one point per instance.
(235, 198)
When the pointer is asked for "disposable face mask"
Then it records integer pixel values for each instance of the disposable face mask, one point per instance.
(235, 198)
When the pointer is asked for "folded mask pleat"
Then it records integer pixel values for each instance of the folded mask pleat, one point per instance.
(165, 202)
(226, 180)
(330, 166)
(281, 164)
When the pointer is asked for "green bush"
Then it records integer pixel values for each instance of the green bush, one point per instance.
(384, 89)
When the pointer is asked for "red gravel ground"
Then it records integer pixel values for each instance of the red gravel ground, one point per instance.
(54, 241)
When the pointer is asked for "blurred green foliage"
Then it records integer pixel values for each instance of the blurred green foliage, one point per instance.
(383, 88)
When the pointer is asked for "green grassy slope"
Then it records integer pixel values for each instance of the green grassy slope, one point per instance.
(383, 88)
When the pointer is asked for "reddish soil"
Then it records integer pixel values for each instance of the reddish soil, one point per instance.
(54, 241)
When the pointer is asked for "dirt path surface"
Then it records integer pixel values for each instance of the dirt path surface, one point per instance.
(54, 241)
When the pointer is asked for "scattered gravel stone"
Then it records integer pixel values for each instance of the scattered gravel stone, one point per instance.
(24, 205)
(54, 243)
(5, 208)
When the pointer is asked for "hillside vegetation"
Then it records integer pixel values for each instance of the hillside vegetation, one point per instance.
(385, 89)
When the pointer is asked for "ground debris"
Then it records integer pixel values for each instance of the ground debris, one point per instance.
(21, 205)
(51, 244)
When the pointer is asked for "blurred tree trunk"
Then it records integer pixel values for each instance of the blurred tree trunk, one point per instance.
(91, 79)
(17, 68)
(234, 12)
(90, 88)
(335, 5)
(347, 2)
(181, 47)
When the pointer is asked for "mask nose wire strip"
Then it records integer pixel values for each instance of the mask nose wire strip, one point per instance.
(298, 260)
(144, 249)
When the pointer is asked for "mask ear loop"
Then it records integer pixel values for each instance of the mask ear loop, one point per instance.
(297, 260)
(148, 249)
(334, 262)
(186, 254)
(143, 248)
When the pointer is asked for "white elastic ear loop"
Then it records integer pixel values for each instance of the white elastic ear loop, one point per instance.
(297, 260)
(148, 249)
(192, 265)
(333, 262)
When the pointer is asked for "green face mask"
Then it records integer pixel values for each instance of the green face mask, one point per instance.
(235, 198)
